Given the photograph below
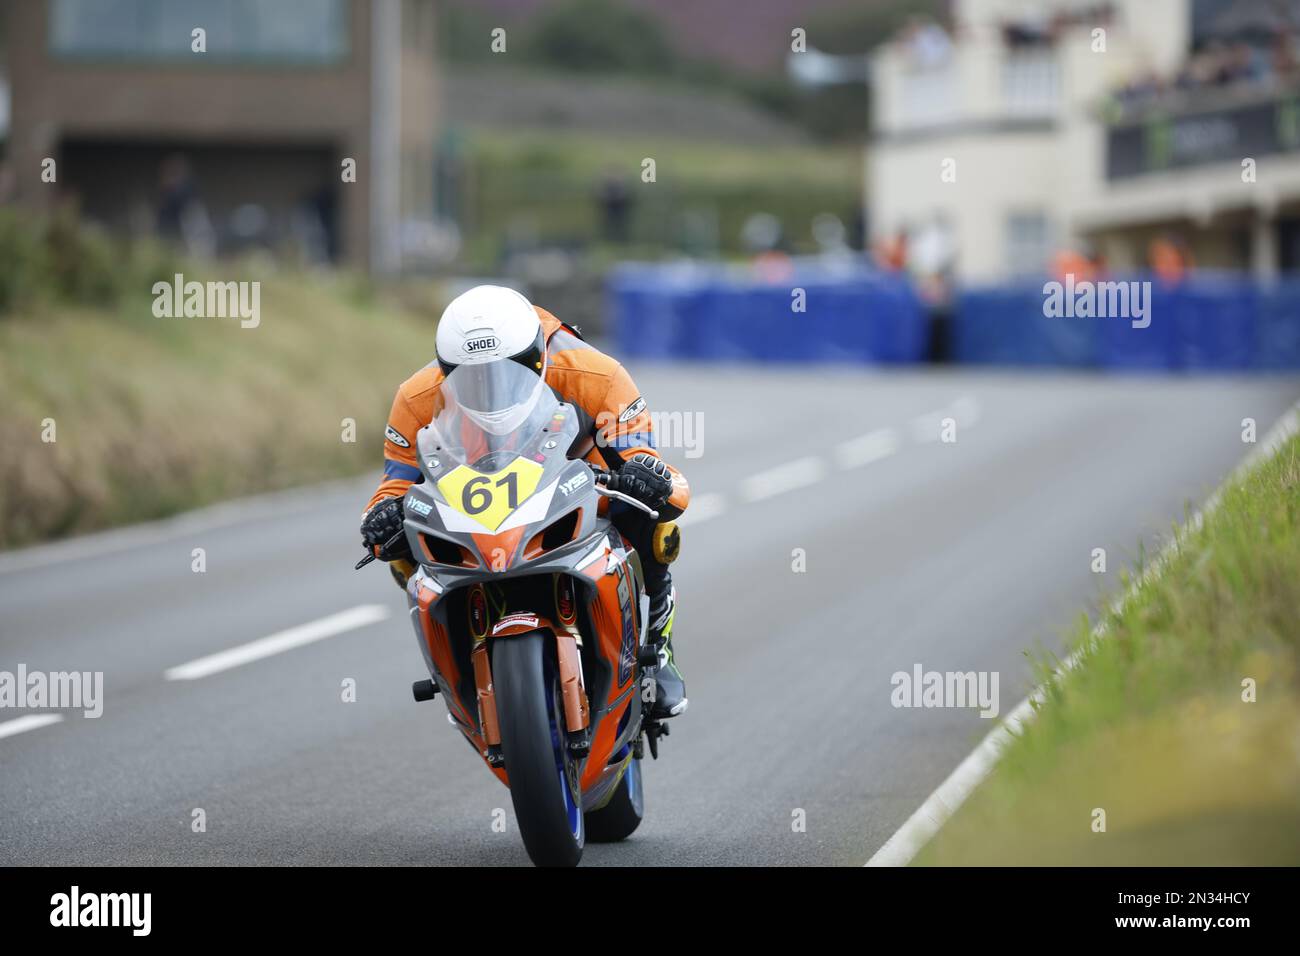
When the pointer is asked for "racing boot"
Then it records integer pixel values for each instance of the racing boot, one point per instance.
(670, 687)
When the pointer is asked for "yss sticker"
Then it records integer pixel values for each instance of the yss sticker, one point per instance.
(490, 499)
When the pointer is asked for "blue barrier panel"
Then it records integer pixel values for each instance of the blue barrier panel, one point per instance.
(1208, 323)
(842, 321)
(643, 322)
(652, 310)
(838, 321)
(1277, 329)
(1205, 324)
(1216, 325)
(1009, 325)
(897, 322)
(662, 312)
(724, 329)
(1123, 347)
(864, 318)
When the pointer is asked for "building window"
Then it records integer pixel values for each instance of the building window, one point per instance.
(1029, 243)
(275, 31)
(1031, 84)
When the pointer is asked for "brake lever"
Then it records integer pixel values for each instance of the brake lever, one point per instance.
(370, 555)
(635, 503)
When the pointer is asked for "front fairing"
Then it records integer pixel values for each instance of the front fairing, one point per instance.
(476, 515)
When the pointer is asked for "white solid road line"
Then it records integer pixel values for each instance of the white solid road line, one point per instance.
(863, 450)
(783, 478)
(703, 508)
(30, 722)
(278, 643)
(921, 826)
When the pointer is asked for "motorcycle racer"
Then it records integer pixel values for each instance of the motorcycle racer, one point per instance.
(491, 324)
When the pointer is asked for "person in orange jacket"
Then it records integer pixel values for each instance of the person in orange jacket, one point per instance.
(495, 324)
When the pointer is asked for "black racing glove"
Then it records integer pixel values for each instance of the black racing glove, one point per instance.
(380, 525)
(645, 478)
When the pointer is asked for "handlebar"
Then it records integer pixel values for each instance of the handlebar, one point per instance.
(603, 476)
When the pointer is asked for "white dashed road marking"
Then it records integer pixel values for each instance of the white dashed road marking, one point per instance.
(30, 722)
(867, 448)
(702, 509)
(278, 643)
(783, 478)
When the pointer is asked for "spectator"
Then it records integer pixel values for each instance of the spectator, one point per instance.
(1170, 259)
(182, 216)
(615, 201)
(928, 43)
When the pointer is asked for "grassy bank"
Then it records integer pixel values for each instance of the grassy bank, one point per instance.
(1152, 727)
(156, 415)
(546, 187)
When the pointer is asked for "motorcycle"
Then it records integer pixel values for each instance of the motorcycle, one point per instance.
(529, 608)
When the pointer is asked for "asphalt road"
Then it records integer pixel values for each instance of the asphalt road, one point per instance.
(955, 556)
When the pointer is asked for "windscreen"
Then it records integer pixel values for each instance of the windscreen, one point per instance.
(489, 411)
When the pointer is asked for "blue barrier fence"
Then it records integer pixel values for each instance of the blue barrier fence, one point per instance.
(713, 315)
(1211, 323)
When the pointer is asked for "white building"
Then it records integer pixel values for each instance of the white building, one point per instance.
(1013, 147)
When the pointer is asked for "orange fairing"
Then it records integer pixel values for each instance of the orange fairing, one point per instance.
(607, 612)
(436, 639)
(607, 618)
(499, 550)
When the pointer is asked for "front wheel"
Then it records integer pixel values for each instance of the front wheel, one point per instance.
(544, 783)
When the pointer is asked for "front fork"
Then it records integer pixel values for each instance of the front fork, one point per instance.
(577, 716)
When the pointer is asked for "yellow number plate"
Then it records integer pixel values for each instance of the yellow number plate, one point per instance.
(490, 499)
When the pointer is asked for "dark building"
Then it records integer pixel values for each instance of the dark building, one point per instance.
(241, 143)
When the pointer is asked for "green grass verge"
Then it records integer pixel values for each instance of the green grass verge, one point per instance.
(154, 415)
(1151, 727)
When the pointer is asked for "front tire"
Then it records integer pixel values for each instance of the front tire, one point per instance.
(617, 819)
(543, 776)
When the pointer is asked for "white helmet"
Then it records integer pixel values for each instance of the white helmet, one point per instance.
(489, 334)
(487, 323)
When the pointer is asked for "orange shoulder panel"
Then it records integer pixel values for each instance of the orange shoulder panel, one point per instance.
(413, 408)
(602, 388)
